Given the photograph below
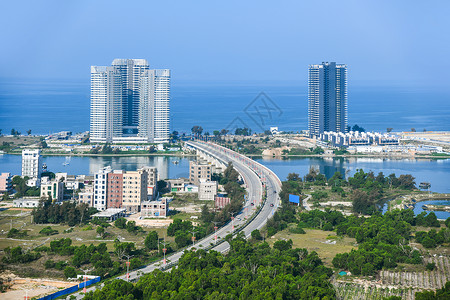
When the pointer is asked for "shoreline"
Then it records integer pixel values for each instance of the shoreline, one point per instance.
(405, 156)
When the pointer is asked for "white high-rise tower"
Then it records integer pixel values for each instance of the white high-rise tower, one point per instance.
(130, 102)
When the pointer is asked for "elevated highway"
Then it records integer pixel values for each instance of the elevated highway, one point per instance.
(262, 200)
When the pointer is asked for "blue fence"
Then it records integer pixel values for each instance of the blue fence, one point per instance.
(70, 290)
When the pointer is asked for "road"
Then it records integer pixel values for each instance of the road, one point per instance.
(258, 179)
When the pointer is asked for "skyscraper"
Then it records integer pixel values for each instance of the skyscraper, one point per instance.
(327, 98)
(129, 102)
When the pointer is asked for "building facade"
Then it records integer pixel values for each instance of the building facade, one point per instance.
(207, 190)
(115, 189)
(31, 163)
(134, 189)
(52, 188)
(101, 188)
(86, 196)
(327, 98)
(198, 171)
(5, 183)
(130, 102)
(106, 104)
(155, 209)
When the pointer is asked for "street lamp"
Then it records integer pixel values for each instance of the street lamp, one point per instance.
(215, 232)
(232, 220)
(193, 237)
(164, 249)
(128, 266)
(85, 271)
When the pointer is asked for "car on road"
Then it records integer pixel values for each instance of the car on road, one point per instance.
(252, 204)
(271, 204)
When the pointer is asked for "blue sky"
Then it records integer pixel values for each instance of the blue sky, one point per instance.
(380, 41)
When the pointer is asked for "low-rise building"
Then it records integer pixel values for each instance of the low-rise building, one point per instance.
(110, 214)
(155, 209)
(26, 202)
(52, 188)
(207, 190)
(176, 185)
(6, 183)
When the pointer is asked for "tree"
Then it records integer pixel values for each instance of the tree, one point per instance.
(151, 241)
(197, 130)
(413, 130)
(101, 231)
(293, 177)
(389, 129)
(29, 131)
(357, 128)
(69, 272)
(256, 235)
(120, 223)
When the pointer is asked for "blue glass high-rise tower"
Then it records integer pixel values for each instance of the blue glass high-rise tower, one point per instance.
(327, 98)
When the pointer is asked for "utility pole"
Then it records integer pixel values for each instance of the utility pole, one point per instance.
(128, 266)
(193, 237)
(215, 232)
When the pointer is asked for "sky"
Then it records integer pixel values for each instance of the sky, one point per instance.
(404, 41)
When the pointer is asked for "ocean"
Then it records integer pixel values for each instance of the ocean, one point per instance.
(56, 105)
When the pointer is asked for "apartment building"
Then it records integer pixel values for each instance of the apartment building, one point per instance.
(5, 183)
(199, 170)
(207, 190)
(115, 189)
(101, 188)
(53, 188)
(134, 189)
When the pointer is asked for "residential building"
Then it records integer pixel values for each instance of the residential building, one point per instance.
(154, 120)
(115, 189)
(155, 209)
(176, 185)
(106, 104)
(207, 190)
(152, 182)
(86, 196)
(199, 170)
(53, 188)
(134, 189)
(327, 98)
(6, 183)
(31, 163)
(101, 188)
(130, 102)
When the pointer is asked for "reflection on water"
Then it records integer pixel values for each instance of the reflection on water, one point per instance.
(89, 165)
(436, 172)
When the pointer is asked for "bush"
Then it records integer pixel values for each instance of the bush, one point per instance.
(48, 231)
(430, 266)
(49, 264)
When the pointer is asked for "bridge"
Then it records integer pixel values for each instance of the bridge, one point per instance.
(257, 209)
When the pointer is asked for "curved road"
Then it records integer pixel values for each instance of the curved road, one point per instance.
(258, 179)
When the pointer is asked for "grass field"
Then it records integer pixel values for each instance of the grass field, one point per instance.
(314, 240)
